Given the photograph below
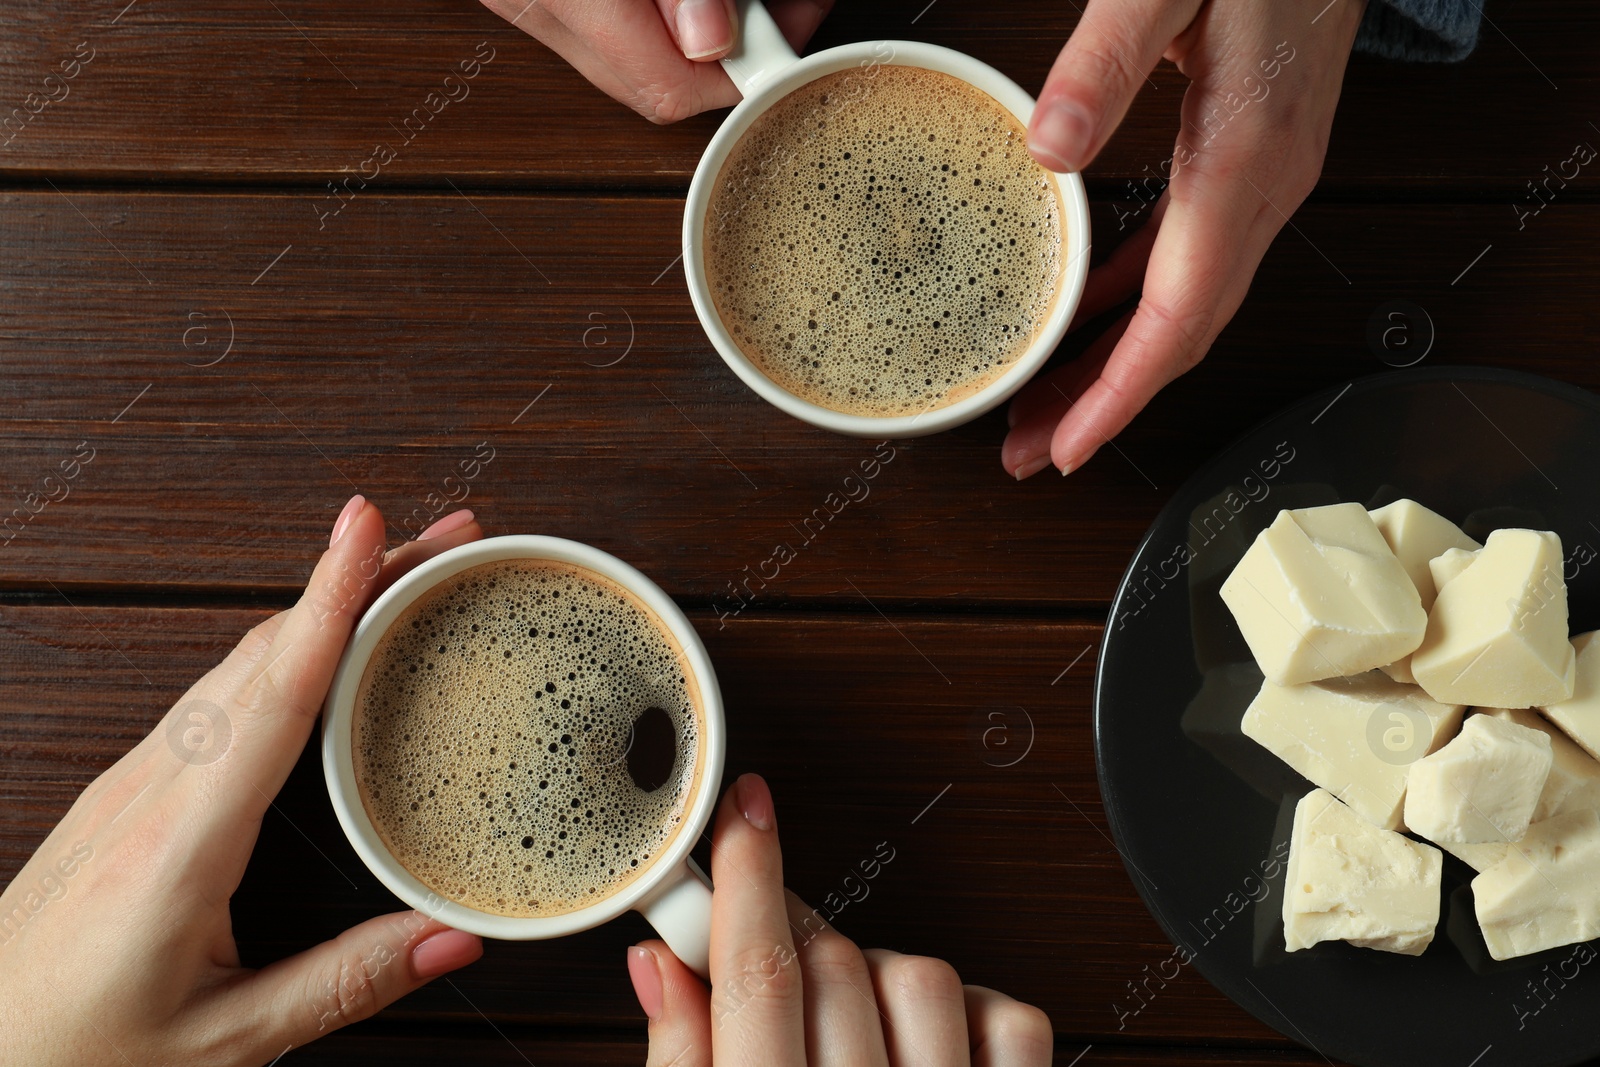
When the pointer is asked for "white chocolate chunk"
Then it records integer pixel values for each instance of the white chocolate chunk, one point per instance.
(1480, 788)
(1578, 716)
(1447, 565)
(1573, 785)
(1320, 594)
(1546, 892)
(1355, 737)
(1417, 536)
(1400, 671)
(1574, 782)
(1478, 857)
(1348, 880)
(1497, 635)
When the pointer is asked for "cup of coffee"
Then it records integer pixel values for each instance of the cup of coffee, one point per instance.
(867, 242)
(524, 739)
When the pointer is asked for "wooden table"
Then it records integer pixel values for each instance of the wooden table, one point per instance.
(178, 291)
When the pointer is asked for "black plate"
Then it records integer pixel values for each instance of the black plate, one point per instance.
(1199, 810)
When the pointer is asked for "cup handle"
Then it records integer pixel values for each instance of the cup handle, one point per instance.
(761, 51)
(680, 910)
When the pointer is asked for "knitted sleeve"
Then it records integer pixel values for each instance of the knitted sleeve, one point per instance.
(1436, 31)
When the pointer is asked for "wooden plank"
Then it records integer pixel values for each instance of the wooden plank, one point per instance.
(299, 90)
(372, 1042)
(516, 1047)
(419, 333)
(870, 733)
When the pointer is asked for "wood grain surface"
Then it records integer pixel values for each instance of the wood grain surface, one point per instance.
(383, 356)
(871, 732)
(298, 89)
(516, 1047)
(183, 299)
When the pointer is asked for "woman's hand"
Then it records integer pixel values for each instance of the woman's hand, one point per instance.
(657, 56)
(1265, 77)
(116, 944)
(788, 990)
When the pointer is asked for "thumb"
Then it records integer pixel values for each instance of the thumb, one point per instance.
(359, 973)
(1105, 63)
(704, 29)
(677, 1003)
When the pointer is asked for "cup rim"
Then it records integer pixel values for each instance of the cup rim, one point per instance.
(339, 708)
(1075, 250)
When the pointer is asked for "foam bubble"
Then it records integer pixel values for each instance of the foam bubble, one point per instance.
(881, 243)
(492, 731)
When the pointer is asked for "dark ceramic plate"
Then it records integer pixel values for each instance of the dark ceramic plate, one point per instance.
(1200, 812)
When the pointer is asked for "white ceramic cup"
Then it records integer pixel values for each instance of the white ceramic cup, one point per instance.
(673, 894)
(766, 70)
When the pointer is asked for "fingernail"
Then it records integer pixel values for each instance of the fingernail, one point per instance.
(755, 801)
(351, 510)
(1059, 135)
(645, 970)
(449, 524)
(703, 28)
(1032, 467)
(1066, 469)
(445, 951)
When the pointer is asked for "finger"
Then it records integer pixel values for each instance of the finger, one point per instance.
(353, 977)
(703, 29)
(266, 731)
(757, 1003)
(799, 19)
(451, 531)
(530, 16)
(1006, 1032)
(841, 1011)
(1104, 64)
(627, 51)
(1211, 241)
(1118, 278)
(676, 1003)
(281, 674)
(1046, 399)
(924, 1009)
(1109, 284)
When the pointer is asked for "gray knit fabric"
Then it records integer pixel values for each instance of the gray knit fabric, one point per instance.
(1432, 31)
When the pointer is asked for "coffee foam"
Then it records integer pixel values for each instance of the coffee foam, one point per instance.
(491, 733)
(880, 242)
